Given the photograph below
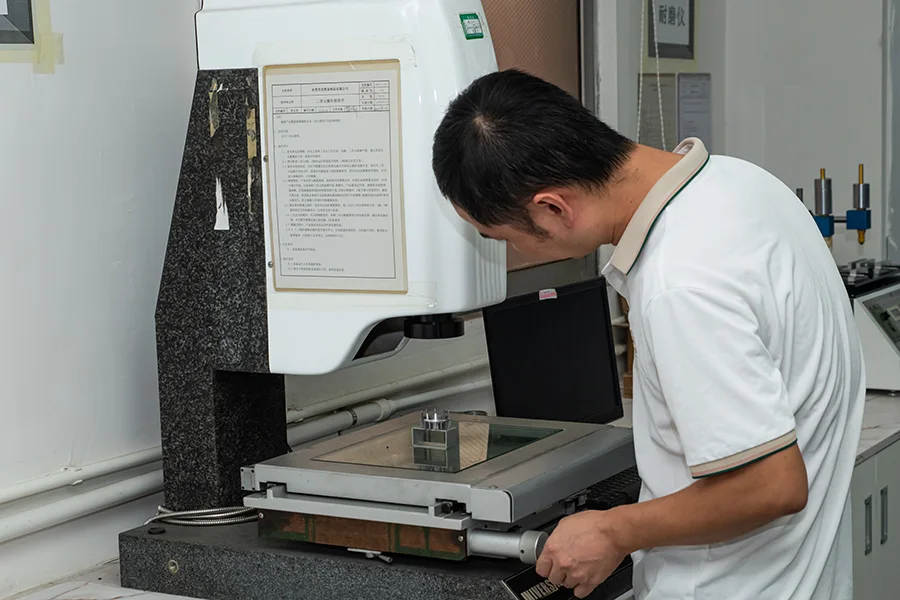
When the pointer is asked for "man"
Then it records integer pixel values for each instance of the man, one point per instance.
(748, 388)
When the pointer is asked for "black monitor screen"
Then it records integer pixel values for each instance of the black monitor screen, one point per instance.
(552, 355)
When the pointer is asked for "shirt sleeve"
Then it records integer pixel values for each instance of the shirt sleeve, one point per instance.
(726, 395)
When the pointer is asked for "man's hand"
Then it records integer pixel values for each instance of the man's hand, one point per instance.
(580, 553)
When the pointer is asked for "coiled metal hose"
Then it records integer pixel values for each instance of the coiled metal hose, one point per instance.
(205, 517)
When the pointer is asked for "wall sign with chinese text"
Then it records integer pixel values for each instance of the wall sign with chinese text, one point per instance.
(671, 28)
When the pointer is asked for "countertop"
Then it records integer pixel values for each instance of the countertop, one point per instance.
(881, 424)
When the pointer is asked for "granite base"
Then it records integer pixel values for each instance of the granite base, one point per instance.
(230, 563)
(219, 407)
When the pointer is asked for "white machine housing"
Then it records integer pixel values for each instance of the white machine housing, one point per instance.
(881, 353)
(449, 268)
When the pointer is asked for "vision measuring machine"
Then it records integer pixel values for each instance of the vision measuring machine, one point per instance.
(307, 230)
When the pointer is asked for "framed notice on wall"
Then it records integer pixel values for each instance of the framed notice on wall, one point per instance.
(671, 28)
(335, 177)
(686, 109)
(658, 124)
(16, 22)
(695, 107)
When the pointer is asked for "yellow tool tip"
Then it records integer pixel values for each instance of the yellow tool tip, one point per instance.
(862, 236)
(821, 173)
(861, 180)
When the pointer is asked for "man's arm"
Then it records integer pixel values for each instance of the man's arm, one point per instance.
(716, 509)
(586, 547)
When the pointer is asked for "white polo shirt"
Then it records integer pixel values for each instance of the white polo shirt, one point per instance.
(745, 345)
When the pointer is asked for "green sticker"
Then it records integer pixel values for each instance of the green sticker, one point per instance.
(471, 24)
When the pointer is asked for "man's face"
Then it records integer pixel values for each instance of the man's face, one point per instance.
(544, 248)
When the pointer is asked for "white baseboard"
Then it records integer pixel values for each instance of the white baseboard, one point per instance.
(60, 552)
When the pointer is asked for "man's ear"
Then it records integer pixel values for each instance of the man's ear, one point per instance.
(552, 205)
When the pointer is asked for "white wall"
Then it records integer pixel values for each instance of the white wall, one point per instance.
(797, 86)
(804, 92)
(89, 161)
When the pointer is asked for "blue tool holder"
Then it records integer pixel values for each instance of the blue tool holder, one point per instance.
(860, 220)
(826, 224)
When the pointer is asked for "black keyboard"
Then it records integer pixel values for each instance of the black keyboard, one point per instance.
(622, 488)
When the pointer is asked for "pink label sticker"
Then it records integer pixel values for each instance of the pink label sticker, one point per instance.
(547, 295)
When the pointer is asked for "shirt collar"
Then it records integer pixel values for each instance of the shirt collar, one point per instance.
(669, 185)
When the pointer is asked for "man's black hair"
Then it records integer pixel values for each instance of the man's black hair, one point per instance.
(511, 135)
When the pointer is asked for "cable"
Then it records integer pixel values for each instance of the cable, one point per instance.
(662, 120)
(205, 517)
(641, 70)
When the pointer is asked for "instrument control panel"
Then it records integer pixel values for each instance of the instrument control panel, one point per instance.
(885, 309)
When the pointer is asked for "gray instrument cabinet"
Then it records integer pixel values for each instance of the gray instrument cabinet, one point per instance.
(875, 501)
